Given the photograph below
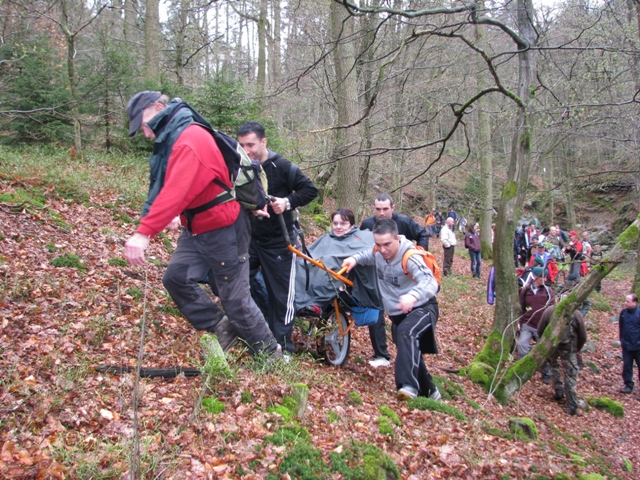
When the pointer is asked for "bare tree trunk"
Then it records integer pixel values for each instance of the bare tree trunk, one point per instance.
(485, 153)
(567, 191)
(180, 39)
(396, 141)
(73, 88)
(367, 81)
(346, 94)
(261, 80)
(636, 278)
(152, 41)
(276, 44)
(499, 342)
(130, 18)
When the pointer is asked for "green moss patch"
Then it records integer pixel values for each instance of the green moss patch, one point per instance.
(481, 373)
(605, 403)
(363, 461)
(523, 427)
(68, 260)
(212, 405)
(447, 388)
(424, 403)
(385, 427)
(354, 398)
(390, 414)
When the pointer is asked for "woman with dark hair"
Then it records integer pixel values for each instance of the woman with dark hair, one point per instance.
(472, 243)
(342, 222)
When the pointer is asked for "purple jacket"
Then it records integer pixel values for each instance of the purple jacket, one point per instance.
(472, 242)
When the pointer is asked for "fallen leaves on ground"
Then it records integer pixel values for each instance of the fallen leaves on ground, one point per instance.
(61, 419)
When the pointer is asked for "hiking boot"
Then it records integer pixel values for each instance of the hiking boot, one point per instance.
(546, 379)
(572, 411)
(225, 332)
(559, 395)
(278, 356)
(407, 393)
(379, 362)
(436, 395)
(626, 390)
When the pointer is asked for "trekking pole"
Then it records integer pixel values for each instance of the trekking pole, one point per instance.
(283, 225)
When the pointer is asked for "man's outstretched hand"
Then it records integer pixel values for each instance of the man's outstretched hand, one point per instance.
(134, 249)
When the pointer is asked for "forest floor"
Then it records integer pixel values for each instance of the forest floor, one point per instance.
(59, 418)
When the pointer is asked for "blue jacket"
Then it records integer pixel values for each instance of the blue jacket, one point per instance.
(629, 323)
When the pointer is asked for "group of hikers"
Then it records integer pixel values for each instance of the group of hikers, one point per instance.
(235, 250)
(554, 249)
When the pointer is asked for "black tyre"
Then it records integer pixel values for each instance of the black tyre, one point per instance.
(334, 346)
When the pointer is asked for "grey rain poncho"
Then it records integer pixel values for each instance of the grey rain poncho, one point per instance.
(332, 251)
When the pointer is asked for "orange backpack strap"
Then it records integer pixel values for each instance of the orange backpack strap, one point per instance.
(429, 260)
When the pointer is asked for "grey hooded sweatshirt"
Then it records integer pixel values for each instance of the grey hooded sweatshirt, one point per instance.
(392, 280)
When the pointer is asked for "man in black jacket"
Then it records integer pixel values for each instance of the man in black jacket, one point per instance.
(385, 208)
(291, 189)
(629, 324)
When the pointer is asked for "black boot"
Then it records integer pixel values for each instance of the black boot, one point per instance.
(225, 332)
(627, 389)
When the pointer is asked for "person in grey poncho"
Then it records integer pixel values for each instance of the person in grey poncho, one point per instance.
(315, 288)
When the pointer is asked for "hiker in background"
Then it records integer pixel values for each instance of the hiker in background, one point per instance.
(291, 189)
(472, 243)
(448, 239)
(570, 342)
(385, 208)
(439, 223)
(629, 326)
(430, 222)
(462, 225)
(410, 301)
(184, 166)
(533, 300)
(452, 214)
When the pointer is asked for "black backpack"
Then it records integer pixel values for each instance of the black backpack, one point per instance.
(249, 180)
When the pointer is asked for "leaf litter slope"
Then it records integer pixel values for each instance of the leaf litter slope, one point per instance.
(61, 419)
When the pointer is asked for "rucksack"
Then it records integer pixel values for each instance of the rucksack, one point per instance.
(247, 176)
(429, 260)
(567, 334)
(556, 252)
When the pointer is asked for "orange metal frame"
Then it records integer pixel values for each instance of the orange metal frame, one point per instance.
(338, 276)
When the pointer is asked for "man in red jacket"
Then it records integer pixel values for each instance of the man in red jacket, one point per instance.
(185, 163)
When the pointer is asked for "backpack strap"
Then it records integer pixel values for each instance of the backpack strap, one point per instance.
(291, 180)
(405, 260)
(224, 197)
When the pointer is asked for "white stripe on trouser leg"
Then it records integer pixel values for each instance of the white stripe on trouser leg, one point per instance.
(416, 358)
(291, 297)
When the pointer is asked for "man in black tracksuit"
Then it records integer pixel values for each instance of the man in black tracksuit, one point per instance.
(291, 189)
(385, 208)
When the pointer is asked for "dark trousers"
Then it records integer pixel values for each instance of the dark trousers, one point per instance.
(222, 253)
(568, 358)
(410, 368)
(378, 336)
(279, 272)
(628, 357)
(448, 260)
